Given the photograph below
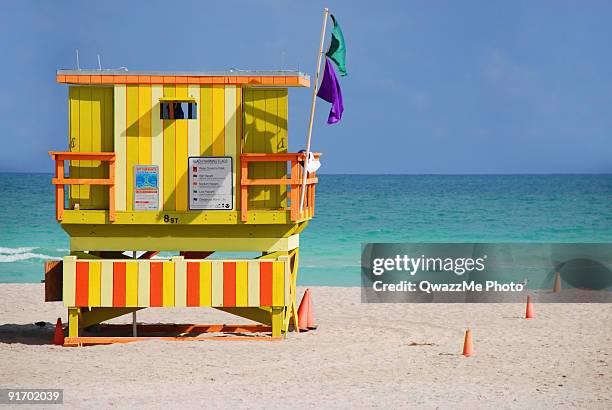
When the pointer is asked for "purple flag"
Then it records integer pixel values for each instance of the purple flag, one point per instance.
(330, 92)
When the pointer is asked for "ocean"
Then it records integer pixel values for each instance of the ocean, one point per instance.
(355, 209)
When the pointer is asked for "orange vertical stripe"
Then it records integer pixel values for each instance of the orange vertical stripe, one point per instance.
(156, 284)
(82, 284)
(265, 284)
(119, 284)
(229, 284)
(193, 283)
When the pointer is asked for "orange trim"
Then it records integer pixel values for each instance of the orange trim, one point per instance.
(193, 284)
(60, 180)
(265, 284)
(229, 284)
(295, 182)
(267, 80)
(82, 284)
(98, 340)
(118, 284)
(157, 284)
(180, 79)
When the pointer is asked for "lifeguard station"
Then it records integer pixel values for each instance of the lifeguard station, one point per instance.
(188, 162)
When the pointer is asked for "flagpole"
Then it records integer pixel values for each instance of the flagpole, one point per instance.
(312, 106)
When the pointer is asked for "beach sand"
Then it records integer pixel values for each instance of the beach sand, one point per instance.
(362, 355)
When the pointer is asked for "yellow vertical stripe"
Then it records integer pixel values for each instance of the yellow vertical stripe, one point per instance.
(253, 283)
(218, 120)
(69, 281)
(261, 195)
(287, 262)
(230, 132)
(193, 126)
(239, 143)
(168, 279)
(242, 284)
(144, 124)
(94, 284)
(120, 148)
(205, 284)
(131, 284)
(180, 281)
(169, 155)
(131, 143)
(106, 284)
(144, 283)
(96, 197)
(85, 126)
(282, 116)
(74, 138)
(278, 283)
(206, 129)
(181, 154)
(217, 283)
(157, 139)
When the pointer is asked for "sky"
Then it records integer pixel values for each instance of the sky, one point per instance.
(444, 87)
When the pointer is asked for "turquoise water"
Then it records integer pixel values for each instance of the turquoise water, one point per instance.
(352, 209)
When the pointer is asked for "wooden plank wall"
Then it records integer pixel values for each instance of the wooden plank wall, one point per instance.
(176, 282)
(265, 131)
(90, 128)
(142, 138)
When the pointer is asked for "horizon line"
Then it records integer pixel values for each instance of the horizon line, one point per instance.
(406, 174)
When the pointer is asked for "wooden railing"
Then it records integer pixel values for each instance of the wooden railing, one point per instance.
(294, 182)
(60, 180)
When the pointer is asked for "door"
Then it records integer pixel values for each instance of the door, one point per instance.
(90, 129)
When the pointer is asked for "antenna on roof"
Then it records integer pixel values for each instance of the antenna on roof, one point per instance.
(99, 63)
(77, 56)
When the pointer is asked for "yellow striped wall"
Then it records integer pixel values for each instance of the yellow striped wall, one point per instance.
(131, 120)
(142, 138)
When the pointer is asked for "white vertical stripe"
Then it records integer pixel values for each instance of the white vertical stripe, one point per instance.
(230, 132)
(193, 126)
(180, 281)
(157, 139)
(253, 280)
(217, 283)
(106, 284)
(120, 147)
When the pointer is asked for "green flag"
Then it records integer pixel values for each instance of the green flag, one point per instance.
(337, 48)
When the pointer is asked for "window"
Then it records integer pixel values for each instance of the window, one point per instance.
(178, 110)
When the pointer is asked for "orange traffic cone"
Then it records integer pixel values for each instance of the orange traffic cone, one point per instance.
(303, 311)
(468, 347)
(529, 314)
(310, 324)
(557, 285)
(58, 337)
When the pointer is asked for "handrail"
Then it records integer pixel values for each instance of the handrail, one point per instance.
(295, 182)
(60, 180)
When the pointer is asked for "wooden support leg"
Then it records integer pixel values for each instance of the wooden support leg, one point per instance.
(73, 322)
(293, 289)
(277, 321)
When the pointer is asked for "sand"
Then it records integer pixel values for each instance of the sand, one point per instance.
(362, 355)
